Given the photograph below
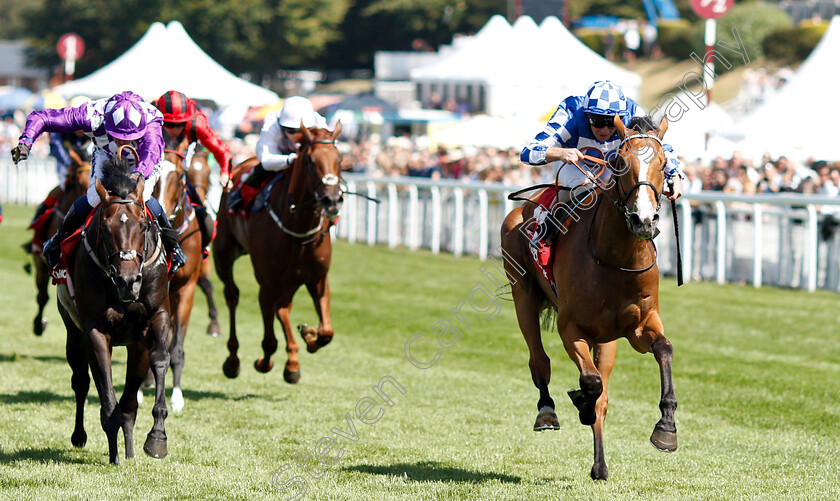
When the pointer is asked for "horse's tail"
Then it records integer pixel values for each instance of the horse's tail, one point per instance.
(548, 316)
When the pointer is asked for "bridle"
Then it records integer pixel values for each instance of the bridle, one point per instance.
(329, 179)
(124, 255)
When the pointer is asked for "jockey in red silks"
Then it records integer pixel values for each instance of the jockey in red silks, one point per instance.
(110, 123)
(183, 119)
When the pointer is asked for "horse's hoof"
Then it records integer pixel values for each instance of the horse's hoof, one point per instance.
(214, 330)
(586, 413)
(177, 400)
(262, 366)
(309, 335)
(155, 447)
(546, 420)
(39, 327)
(230, 370)
(665, 441)
(291, 377)
(324, 340)
(599, 472)
(78, 439)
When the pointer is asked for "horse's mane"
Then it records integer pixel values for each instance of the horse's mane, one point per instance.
(116, 177)
(643, 124)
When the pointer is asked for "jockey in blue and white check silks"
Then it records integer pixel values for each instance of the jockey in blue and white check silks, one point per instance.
(569, 127)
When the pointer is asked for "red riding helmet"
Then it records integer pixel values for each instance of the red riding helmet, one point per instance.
(176, 107)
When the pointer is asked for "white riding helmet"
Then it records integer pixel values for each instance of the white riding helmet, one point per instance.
(297, 109)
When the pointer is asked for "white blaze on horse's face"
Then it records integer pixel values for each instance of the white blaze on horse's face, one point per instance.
(123, 218)
(644, 207)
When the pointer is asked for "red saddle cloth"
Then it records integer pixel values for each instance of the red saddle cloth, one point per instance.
(59, 272)
(38, 226)
(542, 252)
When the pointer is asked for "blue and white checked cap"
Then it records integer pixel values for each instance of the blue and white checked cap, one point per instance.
(605, 98)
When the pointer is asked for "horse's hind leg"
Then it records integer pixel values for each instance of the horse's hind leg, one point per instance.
(80, 381)
(604, 355)
(320, 292)
(527, 306)
(664, 436)
(137, 365)
(181, 317)
(158, 335)
(207, 287)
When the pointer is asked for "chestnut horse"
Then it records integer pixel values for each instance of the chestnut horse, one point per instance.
(78, 180)
(171, 192)
(607, 287)
(290, 246)
(198, 175)
(119, 272)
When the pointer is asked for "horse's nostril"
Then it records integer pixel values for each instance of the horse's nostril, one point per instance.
(635, 220)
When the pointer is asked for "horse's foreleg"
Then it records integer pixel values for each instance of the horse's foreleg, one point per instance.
(39, 324)
(110, 414)
(158, 347)
(604, 356)
(268, 308)
(224, 269)
(137, 365)
(527, 307)
(320, 292)
(183, 308)
(652, 338)
(207, 287)
(80, 381)
(291, 374)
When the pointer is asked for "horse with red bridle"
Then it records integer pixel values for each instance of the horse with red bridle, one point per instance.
(289, 243)
(607, 284)
(117, 295)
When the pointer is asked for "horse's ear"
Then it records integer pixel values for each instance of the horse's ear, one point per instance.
(138, 190)
(336, 130)
(663, 126)
(619, 126)
(306, 134)
(100, 190)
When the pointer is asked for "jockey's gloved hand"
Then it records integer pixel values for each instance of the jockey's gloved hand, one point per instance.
(292, 158)
(20, 152)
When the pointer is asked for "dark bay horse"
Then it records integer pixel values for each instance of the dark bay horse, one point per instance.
(117, 295)
(607, 288)
(78, 180)
(198, 175)
(290, 246)
(172, 195)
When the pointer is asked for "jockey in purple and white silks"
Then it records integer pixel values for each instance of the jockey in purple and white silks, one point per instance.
(110, 123)
(586, 122)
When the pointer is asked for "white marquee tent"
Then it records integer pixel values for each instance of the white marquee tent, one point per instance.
(798, 120)
(520, 70)
(166, 58)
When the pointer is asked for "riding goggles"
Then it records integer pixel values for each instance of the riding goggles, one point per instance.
(599, 121)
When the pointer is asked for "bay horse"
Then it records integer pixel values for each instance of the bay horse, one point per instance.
(117, 295)
(290, 246)
(607, 285)
(171, 192)
(76, 185)
(198, 175)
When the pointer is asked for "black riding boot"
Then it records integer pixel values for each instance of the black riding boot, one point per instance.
(206, 224)
(170, 237)
(74, 218)
(254, 180)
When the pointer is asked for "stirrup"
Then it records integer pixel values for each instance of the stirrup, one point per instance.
(52, 251)
(234, 200)
(178, 259)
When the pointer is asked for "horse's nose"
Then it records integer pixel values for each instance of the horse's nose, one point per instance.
(128, 287)
(332, 203)
(643, 228)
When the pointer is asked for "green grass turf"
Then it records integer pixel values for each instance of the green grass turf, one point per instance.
(756, 374)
